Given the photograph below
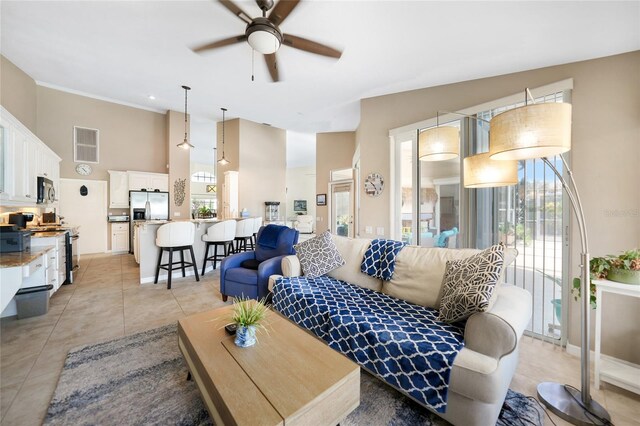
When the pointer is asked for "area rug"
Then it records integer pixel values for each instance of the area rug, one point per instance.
(140, 380)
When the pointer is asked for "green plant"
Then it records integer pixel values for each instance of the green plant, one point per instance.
(629, 260)
(599, 268)
(523, 233)
(248, 312)
(204, 211)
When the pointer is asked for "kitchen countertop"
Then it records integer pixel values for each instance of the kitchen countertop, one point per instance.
(12, 260)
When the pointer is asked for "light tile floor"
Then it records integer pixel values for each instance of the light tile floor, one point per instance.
(106, 301)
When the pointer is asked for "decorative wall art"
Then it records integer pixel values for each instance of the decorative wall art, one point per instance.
(178, 191)
(321, 199)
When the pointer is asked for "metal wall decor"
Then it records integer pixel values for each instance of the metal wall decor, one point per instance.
(178, 191)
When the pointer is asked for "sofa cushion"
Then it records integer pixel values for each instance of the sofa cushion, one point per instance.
(352, 251)
(318, 255)
(469, 283)
(418, 274)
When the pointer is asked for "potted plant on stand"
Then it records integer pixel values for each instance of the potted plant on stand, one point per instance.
(624, 268)
(248, 316)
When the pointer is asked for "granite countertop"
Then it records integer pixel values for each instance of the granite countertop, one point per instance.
(21, 258)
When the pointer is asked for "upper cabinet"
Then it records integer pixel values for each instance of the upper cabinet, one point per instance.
(24, 157)
(118, 189)
(148, 181)
(120, 183)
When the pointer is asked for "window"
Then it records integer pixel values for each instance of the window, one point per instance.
(204, 177)
(531, 216)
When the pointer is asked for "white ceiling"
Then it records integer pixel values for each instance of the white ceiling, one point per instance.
(128, 50)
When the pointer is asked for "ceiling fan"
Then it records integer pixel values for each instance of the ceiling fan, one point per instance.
(262, 33)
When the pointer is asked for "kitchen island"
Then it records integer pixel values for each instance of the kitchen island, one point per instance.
(146, 251)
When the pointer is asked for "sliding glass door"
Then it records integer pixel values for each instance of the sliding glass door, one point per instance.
(435, 210)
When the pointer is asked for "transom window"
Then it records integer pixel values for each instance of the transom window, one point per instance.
(204, 177)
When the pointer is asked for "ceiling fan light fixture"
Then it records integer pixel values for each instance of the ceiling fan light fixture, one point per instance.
(263, 36)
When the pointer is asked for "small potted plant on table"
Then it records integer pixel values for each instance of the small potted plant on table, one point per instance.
(248, 316)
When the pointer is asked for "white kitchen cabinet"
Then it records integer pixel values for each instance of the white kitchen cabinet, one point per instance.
(119, 237)
(230, 195)
(148, 181)
(24, 158)
(118, 189)
(55, 273)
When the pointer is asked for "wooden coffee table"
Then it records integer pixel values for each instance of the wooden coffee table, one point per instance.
(288, 378)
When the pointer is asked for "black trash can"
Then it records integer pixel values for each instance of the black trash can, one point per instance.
(33, 301)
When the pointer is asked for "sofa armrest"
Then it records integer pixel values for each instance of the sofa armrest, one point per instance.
(496, 333)
(291, 266)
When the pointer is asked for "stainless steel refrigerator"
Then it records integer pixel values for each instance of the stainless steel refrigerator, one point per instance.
(157, 208)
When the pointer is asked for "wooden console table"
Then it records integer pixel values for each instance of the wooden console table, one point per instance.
(623, 374)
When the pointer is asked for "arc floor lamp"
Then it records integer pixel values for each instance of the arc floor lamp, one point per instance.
(541, 131)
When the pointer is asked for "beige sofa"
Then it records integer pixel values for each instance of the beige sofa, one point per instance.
(482, 371)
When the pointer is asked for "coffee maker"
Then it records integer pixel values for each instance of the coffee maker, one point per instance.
(20, 219)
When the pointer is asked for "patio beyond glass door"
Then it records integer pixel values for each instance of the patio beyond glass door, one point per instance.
(342, 208)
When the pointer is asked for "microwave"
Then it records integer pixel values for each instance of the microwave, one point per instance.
(46, 193)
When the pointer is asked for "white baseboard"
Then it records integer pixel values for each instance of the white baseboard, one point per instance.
(575, 351)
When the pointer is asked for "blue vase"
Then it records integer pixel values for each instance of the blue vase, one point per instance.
(245, 336)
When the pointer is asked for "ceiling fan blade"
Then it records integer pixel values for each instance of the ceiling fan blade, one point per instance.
(220, 43)
(282, 10)
(310, 46)
(235, 9)
(272, 64)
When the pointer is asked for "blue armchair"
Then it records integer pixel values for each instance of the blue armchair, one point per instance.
(236, 280)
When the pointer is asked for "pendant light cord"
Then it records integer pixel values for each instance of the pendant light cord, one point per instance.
(186, 91)
(223, 111)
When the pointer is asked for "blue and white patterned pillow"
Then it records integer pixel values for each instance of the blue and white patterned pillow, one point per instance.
(318, 255)
(379, 260)
(468, 284)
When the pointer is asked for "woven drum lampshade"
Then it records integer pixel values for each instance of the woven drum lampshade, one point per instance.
(439, 144)
(531, 131)
(480, 171)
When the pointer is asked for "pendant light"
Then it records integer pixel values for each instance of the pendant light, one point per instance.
(185, 143)
(223, 161)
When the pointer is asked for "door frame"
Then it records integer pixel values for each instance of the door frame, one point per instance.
(351, 182)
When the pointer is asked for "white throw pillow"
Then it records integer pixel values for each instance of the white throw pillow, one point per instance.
(469, 283)
(318, 255)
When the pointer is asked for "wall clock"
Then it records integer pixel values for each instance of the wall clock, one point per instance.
(374, 184)
(84, 169)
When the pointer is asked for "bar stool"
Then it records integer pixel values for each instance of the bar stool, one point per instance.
(257, 224)
(175, 236)
(219, 234)
(244, 232)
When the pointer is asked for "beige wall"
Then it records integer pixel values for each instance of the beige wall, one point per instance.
(179, 164)
(301, 185)
(262, 173)
(130, 138)
(231, 153)
(258, 153)
(18, 93)
(333, 151)
(605, 156)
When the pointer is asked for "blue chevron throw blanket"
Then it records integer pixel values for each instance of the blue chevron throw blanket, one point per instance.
(403, 344)
(379, 260)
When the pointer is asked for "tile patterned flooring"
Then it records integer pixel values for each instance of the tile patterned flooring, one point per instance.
(106, 301)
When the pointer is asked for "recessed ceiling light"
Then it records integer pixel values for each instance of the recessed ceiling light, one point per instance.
(153, 98)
